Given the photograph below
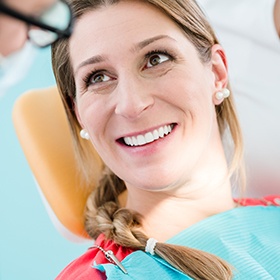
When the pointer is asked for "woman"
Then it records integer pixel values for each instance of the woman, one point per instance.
(148, 88)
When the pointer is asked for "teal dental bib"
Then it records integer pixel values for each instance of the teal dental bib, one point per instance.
(247, 237)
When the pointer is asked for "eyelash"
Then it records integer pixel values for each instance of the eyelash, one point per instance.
(88, 76)
(163, 52)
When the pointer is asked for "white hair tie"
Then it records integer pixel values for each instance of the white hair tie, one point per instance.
(150, 246)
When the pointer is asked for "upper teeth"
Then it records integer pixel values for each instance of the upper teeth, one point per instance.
(149, 137)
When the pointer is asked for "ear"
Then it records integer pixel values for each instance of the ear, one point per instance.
(220, 70)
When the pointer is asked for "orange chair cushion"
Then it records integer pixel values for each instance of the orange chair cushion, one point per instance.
(42, 129)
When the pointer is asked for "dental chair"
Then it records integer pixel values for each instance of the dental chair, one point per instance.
(42, 129)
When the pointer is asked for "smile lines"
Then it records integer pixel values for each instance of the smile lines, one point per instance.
(149, 137)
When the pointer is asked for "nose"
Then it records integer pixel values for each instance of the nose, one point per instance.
(134, 96)
(13, 36)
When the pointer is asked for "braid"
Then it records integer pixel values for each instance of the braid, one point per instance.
(123, 226)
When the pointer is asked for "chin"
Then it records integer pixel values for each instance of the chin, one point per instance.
(156, 185)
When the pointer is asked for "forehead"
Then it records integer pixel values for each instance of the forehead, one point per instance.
(29, 7)
(118, 26)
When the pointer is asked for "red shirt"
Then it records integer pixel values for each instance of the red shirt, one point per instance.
(271, 200)
(81, 268)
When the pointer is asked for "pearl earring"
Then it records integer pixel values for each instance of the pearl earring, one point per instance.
(84, 134)
(223, 93)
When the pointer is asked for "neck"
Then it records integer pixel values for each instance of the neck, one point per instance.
(172, 209)
(165, 215)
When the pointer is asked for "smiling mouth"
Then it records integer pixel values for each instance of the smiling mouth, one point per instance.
(149, 137)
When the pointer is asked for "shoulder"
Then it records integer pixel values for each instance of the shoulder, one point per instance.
(82, 267)
(272, 200)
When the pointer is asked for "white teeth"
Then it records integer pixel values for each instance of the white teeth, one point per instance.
(161, 132)
(134, 141)
(141, 140)
(155, 134)
(166, 129)
(149, 137)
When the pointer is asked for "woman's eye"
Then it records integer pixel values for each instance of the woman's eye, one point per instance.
(99, 78)
(157, 59)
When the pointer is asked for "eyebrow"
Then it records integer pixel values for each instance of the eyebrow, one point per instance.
(91, 60)
(149, 41)
(137, 47)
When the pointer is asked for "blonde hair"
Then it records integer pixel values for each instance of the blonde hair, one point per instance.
(103, 211)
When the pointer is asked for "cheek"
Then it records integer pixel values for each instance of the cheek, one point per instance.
(187, 94)
(88, 112)
(94, 116)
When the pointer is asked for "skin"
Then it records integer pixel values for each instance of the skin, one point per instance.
(13, 32)
(176, 180)
(277, 16)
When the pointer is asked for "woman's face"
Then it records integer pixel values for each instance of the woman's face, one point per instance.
(143, 94)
